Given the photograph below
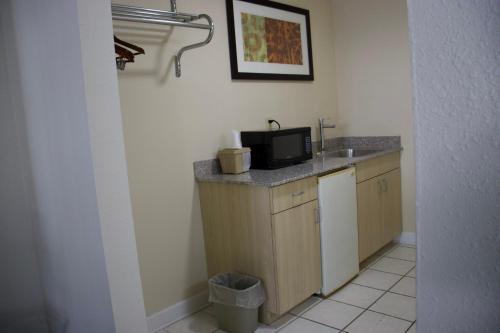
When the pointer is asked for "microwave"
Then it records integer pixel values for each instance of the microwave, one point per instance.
(273, 149)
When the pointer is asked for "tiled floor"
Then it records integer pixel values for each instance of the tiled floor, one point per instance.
(380, 300)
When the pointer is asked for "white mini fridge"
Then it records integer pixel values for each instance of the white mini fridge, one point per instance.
(339, 228)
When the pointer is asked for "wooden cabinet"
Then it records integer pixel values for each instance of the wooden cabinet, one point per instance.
(369, 217)
(269, 233)
(379, 203)
(298, 266)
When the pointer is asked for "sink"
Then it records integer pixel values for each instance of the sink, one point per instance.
(351, 152)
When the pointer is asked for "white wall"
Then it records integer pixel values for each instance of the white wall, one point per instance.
(373, 74)
(21, 300)
(88, 259)
(170, 122)
(110, 168)
(456, 62)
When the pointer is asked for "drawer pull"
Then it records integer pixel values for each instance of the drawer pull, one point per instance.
(298, 194)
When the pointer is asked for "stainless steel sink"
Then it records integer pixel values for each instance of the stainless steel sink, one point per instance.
(351, 152)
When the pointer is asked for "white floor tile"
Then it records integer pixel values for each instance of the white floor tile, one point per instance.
(371, 322)
(412, 273)
(357, 295)
(396, 305)
(333, 314)
(376, 279)
(413, 328)
(394, 266)
(302, 325)
(406, 287)
(198, 323)
(306, 305)
(404, 253)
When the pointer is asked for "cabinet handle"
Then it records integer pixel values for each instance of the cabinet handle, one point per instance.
(379, 186)
(297, 194)
(385, 185)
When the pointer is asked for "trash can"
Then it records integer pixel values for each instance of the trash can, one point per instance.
(236, 299)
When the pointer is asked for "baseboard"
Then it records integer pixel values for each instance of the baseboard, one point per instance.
(409, 238)
(177, 311)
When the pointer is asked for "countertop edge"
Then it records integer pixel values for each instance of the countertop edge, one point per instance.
(340, 163)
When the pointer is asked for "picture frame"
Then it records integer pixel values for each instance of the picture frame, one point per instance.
(269, 41)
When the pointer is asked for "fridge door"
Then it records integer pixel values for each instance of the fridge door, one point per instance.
(339, 228)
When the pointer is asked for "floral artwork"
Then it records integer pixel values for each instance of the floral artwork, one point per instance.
(271, 40)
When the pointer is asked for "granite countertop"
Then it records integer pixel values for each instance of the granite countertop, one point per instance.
(209, 170)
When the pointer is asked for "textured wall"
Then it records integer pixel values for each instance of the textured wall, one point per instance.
(456, 63)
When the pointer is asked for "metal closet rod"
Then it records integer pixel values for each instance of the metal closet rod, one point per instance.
(173, 18)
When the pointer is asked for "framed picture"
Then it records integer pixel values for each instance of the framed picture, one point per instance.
(269, 41)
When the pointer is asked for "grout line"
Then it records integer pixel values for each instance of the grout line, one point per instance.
(362, 285)
(414, 268)
(356, 306)
(392, 292)
(414, 261)
(384, 290)
(378, 270)
(376, 300)
(367, 309)
(388, 315)
(387, 291)
(387, 256)
(414, 323)
(300, 315)
(317, 322)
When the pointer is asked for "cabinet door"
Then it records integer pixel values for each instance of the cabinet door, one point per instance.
(297, 248)
(369, 217)
(391, 205)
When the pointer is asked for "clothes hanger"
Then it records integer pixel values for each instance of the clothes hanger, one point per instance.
(123, 53)
(137, 49)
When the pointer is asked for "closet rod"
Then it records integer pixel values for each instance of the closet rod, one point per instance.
(173, 18)
(164, 21)
(140, 10)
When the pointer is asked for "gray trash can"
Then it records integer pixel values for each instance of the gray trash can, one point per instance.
(236, 299)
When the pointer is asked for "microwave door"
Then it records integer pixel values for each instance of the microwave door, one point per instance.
(288, 147)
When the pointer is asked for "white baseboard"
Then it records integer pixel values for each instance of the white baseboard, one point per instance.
(409, 238)
(177, 311)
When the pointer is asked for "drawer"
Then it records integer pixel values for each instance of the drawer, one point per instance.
(377, 166)
(293, 194)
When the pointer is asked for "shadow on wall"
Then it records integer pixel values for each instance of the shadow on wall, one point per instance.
(195, 237)
(154, 41)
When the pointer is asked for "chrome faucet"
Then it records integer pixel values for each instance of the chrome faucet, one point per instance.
(322, 126)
